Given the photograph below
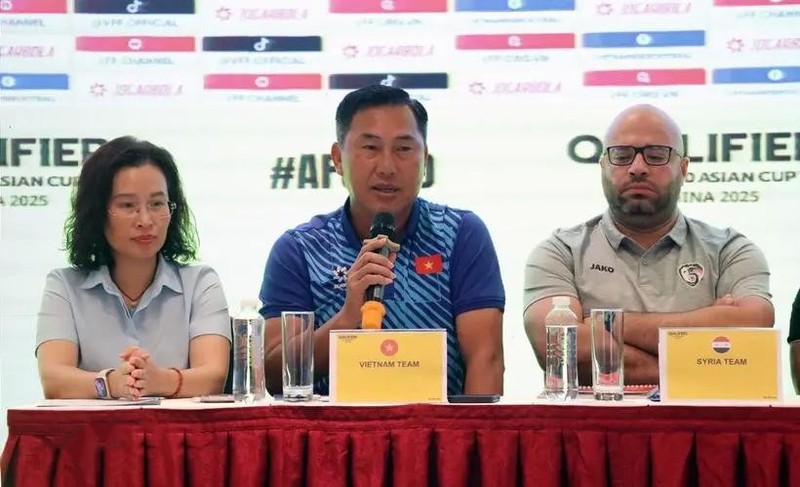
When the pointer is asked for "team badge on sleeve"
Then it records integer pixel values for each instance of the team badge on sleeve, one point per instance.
(339, 277)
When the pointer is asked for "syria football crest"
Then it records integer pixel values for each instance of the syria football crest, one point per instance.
(691, 274)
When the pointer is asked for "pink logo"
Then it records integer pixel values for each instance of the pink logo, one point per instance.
(224, 13)
(735, 45)
(97, 89)
(350, 51)
(477, 88)
(604, 9)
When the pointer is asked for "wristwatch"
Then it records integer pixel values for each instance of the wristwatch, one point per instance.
(101, 388)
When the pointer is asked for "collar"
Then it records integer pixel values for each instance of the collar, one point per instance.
(355, 242)
(679, 230)
(166, 276)
(614, 236)
(677, 234)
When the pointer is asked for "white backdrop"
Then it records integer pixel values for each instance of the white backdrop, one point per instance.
(500, 133)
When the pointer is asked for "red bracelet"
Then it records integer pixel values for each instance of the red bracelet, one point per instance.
(180, 383)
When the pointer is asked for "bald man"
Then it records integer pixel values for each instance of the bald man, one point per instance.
(644, 256)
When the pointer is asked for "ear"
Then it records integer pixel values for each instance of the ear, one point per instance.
(602, 161)
(685, 166)
(336, 157)
(424, 172)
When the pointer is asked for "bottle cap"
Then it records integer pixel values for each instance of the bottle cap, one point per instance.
(561, 301)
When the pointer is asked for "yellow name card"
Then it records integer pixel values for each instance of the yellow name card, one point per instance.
(388, 366)
(720, 364)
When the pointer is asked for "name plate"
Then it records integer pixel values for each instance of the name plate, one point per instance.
(720, 364)
(388, 366)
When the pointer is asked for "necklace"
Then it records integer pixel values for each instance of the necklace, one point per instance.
(132, 299)
(135, 300)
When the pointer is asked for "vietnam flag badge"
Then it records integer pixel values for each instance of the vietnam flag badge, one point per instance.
(428, 264)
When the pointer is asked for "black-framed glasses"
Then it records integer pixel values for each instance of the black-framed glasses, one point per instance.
(654, 155)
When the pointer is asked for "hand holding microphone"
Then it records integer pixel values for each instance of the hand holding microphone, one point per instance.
(372, 269)
(372, 311)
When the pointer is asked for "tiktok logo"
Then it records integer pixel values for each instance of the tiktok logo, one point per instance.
(389, 80)
(134, 6)
(262, 45)
(775, 75)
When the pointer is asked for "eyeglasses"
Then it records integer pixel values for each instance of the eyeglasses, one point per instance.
(128, 209)
(654, 155)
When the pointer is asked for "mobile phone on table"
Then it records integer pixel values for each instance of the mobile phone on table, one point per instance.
(473, 398)
(217, 398)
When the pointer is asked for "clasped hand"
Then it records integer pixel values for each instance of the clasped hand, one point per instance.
(135, 376)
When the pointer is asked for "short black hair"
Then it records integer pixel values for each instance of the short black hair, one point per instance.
(84, 230)
(375, 96)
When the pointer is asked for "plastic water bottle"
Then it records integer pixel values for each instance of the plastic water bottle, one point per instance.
(248, 354)
(561, 365)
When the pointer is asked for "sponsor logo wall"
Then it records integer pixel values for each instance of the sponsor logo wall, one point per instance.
(519, 92)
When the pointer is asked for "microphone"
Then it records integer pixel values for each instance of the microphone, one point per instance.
(373, 311)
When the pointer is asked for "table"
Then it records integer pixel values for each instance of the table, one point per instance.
(181, 443)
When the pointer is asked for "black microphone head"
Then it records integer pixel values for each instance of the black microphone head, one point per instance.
(383, 224)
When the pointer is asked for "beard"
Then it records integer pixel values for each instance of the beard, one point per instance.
(639, 211)
(638, 205)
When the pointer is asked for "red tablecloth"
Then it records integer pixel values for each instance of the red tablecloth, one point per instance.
(418, 445)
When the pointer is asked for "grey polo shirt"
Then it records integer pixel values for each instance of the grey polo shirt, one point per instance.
(87, 309)
(689, 268)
